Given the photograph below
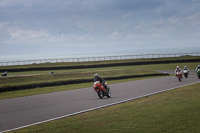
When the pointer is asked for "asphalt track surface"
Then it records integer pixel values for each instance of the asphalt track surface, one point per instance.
(173, 71)
(30, 110)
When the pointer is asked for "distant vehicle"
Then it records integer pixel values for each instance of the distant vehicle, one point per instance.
(101, 91)
(198, 73)
(186, 72)
(179, 76)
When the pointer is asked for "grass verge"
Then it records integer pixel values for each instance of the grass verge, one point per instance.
(61, 75)
(172, 111)
(43, 78)
(150, 67)
(106, 62)
(67, 74)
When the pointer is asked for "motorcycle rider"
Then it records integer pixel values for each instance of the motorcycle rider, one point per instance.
(198, 67)
(102, 81)
(178, 69)
(185, 68)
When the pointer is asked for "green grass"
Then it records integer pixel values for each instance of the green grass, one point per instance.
(171, 111)
(61, 75)
(175, 111)
(170, 66)
(79, 73)
(25, 80)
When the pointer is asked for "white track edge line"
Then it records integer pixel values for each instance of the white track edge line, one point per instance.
(83, 111)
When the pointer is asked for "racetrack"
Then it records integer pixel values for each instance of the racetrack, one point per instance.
(24, 111)
(173, 71)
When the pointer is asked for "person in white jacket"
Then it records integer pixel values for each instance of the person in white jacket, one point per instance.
(178, 69)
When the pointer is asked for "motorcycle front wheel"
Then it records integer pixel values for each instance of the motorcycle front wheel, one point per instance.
(179, 79)
(186, 75)
(108, 93)
(100, 94)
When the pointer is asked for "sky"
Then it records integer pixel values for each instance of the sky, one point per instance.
(78, 26)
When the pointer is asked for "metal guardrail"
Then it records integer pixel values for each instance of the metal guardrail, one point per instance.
(102, 58)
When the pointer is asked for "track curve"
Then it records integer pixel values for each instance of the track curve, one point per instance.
(25, 111)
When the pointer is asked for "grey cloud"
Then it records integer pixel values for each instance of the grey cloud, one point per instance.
(97, 21)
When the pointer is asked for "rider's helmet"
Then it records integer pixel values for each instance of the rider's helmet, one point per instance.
(177, 67)
(185, 67)
(198, 67)
(96, 76)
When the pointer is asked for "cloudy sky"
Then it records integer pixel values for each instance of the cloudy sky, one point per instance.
(73, 26)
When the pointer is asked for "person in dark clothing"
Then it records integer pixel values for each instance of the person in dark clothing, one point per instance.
(102, 81)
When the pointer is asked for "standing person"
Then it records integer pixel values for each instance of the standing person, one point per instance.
(102, 81)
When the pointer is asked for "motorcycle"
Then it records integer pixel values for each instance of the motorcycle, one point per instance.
(186, 73)
(179, 76)
(101, 91)
(198, 73)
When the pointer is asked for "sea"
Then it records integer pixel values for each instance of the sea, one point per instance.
(185, 50)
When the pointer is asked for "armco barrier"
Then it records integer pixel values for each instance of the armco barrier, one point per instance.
(102, 58)
(100, 65)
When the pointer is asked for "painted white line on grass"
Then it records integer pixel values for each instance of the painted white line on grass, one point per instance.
(97, 108)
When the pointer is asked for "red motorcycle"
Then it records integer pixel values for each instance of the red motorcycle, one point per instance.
(101, 91)
(179, 76)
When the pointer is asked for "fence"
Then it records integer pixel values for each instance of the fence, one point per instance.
(102, 58)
